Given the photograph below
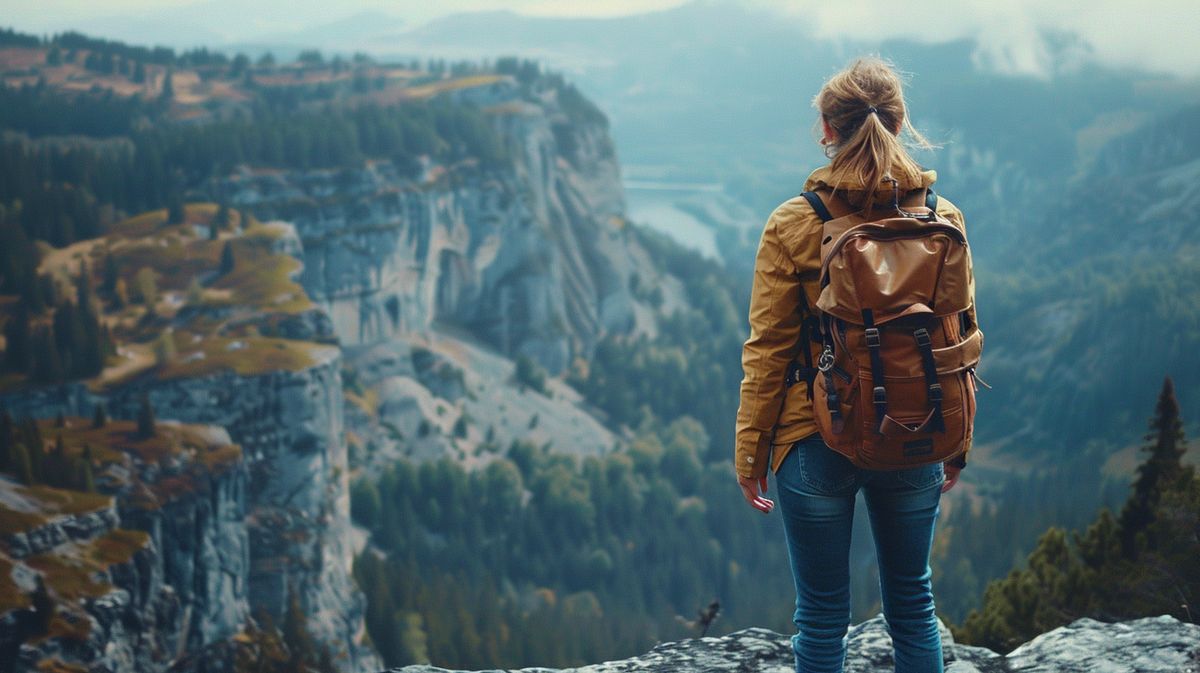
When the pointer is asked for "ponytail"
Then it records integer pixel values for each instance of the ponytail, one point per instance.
(864, 105)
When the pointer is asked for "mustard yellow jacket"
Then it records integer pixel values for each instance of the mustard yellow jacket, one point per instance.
(771, 416)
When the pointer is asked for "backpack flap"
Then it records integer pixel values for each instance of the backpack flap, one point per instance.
(892, 265)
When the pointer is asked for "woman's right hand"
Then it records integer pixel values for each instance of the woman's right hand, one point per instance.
(750, 491)
(951, 477)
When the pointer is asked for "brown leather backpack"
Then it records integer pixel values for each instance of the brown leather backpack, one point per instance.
(895, 382)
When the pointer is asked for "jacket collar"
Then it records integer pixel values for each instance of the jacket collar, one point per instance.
(850, 187)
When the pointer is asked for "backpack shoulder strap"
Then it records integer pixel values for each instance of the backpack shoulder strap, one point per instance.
(818, 205)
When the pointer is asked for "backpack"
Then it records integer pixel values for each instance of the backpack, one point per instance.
(895, 381)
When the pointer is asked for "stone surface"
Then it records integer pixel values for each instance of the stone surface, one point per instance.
(1151, 645)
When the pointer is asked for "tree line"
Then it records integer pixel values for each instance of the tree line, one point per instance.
(1139, 562)
(541, 558)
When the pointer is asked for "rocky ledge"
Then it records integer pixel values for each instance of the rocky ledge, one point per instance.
(1150, 645)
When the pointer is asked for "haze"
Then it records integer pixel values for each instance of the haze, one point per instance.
(1013, 36)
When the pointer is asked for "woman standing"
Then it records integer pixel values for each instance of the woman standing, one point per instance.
(862, 114)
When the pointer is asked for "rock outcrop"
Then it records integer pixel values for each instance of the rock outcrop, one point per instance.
(150, 567)
(1150, 645)
(292, 507)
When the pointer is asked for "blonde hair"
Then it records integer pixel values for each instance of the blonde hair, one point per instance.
(864, 105)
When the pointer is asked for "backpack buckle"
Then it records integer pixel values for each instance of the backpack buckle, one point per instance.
(922, 336)
(935, 393)
(872, 336)
(879, 395)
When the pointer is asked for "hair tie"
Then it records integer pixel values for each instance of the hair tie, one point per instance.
(872, 110)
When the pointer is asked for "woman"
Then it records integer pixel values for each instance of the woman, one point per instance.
(862, 114)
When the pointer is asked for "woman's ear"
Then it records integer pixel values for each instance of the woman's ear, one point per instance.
(830, 135)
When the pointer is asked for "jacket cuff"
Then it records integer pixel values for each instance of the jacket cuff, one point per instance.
(752, 457)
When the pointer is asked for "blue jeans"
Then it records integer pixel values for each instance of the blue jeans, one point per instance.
(816, 490)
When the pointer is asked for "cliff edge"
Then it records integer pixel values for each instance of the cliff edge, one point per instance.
(1150, 645)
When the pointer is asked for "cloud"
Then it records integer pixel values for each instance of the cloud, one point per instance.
(1024, 36)
(1015, 36)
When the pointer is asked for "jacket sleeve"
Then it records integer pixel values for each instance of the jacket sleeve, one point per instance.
(773, 343)
(952, 213)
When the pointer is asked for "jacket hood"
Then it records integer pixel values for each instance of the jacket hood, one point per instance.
(850, 187)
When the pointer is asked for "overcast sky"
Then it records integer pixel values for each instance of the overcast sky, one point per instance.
(1158, 35)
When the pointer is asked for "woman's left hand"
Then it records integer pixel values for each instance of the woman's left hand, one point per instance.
(951, 477)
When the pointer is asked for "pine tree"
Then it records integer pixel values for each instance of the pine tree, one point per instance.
(227, 259)
(111, 274)
(55, 468)
(164, 348)
(168, 88)
(83, 477)
(7, 440)
(43, 607)
(47, 365)
(23, 464)
(91, 343)
(120, 297)
(145, 420)
(17, 349)
(100, 416)
(147, 288)
(1166, 446)
(175, 211)
(67, 336)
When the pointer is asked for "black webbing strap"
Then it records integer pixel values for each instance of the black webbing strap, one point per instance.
(826, 367)
(797, 373)
(818, 206)
(878, 393)
(807, 373)
(810, 330)
(931, 200)
(925, 346)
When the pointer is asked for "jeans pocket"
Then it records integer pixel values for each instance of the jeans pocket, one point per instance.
(923, 476)
(824, 470)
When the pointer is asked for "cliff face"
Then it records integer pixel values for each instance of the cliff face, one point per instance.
(530, 258)
(282, 527)
(1152, 645)
(151, 567)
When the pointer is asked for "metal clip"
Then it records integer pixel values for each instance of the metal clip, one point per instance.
(825, 361)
